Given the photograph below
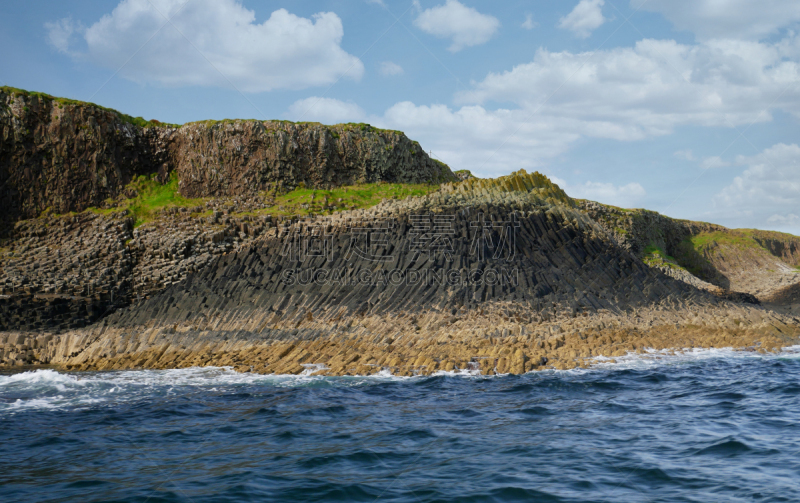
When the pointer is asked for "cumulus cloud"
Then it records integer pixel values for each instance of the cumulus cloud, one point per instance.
(586, 17)
(626, 196)
(464, 25)
(490, 142)
(767, 192)
(325, 110)
(788, 220)
(713, 162)
(624, 94)
(284, 52)
(60, 33)
(533, 113)
(529, 23)
(630, 93)
(389, 68)
(726, 18)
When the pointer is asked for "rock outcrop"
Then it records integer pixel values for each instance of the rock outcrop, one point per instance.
(69, 156)
(484, 275)
(744, 264)
(502, 275)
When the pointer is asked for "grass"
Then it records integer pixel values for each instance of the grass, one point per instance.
(703, 240)
(772, 234)
(61, 102)
(349, 126)
(653, 255)
(304, 201)
(151, 198)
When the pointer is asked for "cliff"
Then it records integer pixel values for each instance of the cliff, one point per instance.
(503, 275)
(68, 156)
(287, 248)
(749, 262)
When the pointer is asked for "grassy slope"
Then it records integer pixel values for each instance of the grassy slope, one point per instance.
(302, 201)
(697, 253)
(153, 197)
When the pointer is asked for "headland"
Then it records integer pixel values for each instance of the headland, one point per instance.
(279, 247)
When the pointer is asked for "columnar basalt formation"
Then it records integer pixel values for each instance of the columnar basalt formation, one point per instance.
(69, 156)
(491, 276)
(503, 275)
(747, 263)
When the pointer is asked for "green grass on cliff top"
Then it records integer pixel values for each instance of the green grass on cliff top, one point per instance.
(731, 238)
(141, 122)
(347, 126)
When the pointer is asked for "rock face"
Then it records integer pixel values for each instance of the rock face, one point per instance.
(497, 276)
(61, 272)
(235, 158)
(743, 264)
(65, 156)
(69, 156)
(490, 276)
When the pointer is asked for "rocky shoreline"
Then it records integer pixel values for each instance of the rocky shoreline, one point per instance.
(503, 275)
(574, 294)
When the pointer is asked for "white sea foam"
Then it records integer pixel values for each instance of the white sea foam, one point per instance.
(47, 389)
(458, 373)
(652, 358)
(39, 378)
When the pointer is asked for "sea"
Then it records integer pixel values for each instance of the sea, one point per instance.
(702, 426)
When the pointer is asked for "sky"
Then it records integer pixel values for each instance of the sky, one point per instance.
(686, 107)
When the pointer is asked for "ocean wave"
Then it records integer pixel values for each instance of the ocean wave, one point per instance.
(651, 358)
(48, 389)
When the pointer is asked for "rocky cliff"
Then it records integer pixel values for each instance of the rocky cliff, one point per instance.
(503, 275)
(199, 255)
(751, 262)
(68, 155)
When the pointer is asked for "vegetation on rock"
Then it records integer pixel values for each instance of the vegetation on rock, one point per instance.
(62, 102)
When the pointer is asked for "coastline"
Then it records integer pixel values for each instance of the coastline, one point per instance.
(492, 342)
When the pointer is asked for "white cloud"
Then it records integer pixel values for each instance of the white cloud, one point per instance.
(684, 155)
(586, 17)
(60, 33)
(726, 18)
(464, 25)
(625, 94)
(529, 23)
(630, 93)
(325, 110)
(283, 52)
(767, 192)
(626, 196)
(713, 162)
(389, 68)
(789, 219)
(489, 142)
(532, 114)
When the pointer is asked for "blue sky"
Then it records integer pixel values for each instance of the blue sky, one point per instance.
(687, 107)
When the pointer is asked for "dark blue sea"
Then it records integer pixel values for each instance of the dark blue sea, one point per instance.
(706, 426)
